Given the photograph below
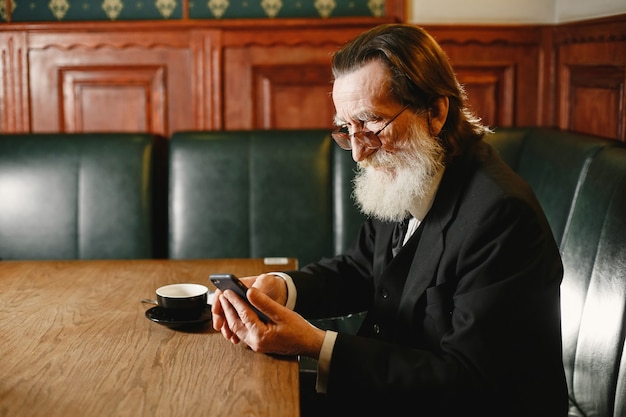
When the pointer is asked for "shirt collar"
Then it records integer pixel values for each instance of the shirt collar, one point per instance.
(422, 205)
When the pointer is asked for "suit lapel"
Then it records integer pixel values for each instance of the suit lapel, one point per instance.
(423, 270)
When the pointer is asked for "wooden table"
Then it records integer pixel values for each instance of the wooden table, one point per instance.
(74, 341)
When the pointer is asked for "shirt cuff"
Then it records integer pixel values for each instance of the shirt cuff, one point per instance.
(323, 363)
(291, 289)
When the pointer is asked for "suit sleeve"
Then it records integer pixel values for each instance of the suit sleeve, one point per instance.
(340, 285)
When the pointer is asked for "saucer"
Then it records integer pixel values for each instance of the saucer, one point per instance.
(159, 315)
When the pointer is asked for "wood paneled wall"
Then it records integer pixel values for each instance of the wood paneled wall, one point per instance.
(590, 77)
(571, 76)
(76, 77)
(261, 74)
(499, 68)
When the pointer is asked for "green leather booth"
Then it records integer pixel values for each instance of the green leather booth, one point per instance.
(259, 194)
(580, 181)
(75, 196)
(287, 194)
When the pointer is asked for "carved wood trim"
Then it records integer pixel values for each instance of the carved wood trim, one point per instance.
(14, 110)
(485, 35)
(208, 59)
(227, 25)
(124, 38)
(609, 29)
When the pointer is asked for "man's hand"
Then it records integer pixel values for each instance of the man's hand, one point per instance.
(270, 284)
(286, 332)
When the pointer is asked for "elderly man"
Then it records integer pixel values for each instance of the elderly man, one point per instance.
(456, 265)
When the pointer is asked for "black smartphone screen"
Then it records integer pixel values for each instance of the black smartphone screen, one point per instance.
(230, 282)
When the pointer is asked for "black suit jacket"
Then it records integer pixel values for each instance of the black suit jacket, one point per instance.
(464, 321)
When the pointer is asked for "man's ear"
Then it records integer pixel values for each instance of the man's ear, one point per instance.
(437, 115)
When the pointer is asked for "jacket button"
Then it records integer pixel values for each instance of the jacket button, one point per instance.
(384, 293)
(376, 329)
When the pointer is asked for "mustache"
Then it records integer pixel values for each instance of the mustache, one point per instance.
(380, 159)
(422, 151)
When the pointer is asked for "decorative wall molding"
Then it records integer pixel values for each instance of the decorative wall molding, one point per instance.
(488, 35)
(14, 111)
(605, 30)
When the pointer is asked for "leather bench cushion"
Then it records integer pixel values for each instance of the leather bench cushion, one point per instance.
(75, 196)
(594, 289)
(552, 162)
(251, 194)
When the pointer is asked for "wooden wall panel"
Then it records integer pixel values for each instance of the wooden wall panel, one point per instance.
(499, 68)
(77, 88)
(91, 98)
(280, 93)
(591, 77)
(490, 88)
(277, 87)
(133, 76)
(592, 96)
(281, 80)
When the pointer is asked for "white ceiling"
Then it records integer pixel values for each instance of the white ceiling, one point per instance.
(511, 11)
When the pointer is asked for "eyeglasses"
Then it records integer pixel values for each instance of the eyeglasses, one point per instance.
(369, 140)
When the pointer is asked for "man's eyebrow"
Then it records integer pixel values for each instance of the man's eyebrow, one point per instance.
(362, 116)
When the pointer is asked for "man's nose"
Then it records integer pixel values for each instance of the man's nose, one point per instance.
(359, 152)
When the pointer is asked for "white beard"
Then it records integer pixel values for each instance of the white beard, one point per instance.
(388, 184)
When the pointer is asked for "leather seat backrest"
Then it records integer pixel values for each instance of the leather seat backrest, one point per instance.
(256, 194)
(593, 292)
(551, 163)
(581, 183)
(75, 196)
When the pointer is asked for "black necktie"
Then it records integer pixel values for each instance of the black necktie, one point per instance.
(397, 238)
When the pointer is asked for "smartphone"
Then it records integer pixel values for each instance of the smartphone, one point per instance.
(230, 282)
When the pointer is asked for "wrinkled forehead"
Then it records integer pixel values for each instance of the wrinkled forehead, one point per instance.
(361, 90)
